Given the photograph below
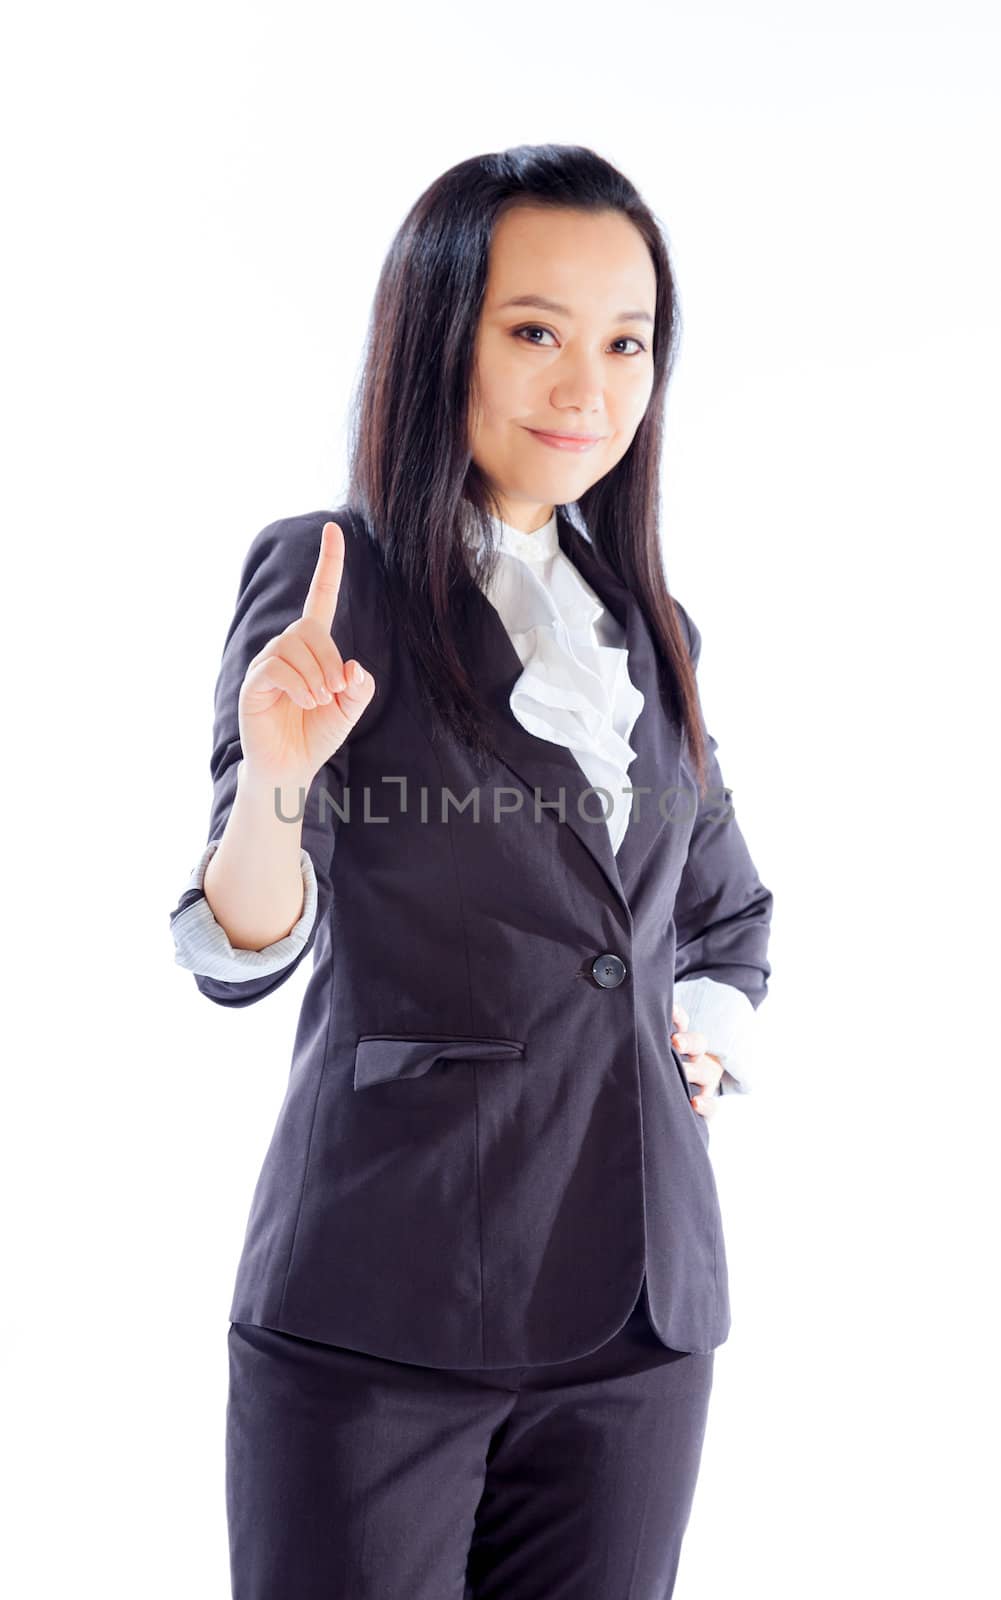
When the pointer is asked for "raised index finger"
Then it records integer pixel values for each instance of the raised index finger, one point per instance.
(325, 584)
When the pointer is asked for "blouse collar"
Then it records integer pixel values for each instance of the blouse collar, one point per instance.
(535, 547)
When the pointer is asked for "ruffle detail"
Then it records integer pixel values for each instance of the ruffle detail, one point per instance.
(574, 688)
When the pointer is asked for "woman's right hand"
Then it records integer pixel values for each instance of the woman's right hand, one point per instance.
(298, 700)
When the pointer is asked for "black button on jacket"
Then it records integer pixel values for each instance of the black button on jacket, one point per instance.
(608, 970)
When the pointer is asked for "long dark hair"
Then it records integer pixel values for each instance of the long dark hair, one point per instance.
(411, 473)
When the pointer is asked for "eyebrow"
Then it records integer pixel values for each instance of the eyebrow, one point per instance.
(542, 304)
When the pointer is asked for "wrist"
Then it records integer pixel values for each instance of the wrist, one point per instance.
(283, 798)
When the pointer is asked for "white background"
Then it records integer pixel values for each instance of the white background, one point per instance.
(197, 203)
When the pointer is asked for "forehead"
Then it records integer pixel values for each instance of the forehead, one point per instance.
(579, 258)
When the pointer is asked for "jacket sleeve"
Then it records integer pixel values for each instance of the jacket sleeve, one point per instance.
(272, 590)
(722, 915)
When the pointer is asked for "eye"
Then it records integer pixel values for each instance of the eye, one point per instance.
(532, 328)
(626, 338)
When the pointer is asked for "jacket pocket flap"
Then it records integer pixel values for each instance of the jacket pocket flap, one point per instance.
(381, 1056)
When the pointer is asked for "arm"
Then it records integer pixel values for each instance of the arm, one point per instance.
(722, 916)
(273, 586)
(202, 944)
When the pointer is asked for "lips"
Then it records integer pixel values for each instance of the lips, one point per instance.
(574, 442)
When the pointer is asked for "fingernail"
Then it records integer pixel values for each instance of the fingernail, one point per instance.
(357, 672)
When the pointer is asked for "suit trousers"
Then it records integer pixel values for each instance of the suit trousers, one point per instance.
(351, 1477)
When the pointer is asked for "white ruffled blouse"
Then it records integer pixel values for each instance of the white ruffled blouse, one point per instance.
(575, 690)
(575, 687)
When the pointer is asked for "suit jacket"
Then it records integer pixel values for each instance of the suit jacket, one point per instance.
(486, 1139)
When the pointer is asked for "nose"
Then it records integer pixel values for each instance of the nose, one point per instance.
(578, 384)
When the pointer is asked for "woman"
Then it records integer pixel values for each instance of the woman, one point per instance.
(473, 1325)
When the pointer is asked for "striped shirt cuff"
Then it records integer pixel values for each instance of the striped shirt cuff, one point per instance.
(724, 1014)
(202, 944)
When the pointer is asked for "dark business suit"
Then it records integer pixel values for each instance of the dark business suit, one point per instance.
(486, 1158)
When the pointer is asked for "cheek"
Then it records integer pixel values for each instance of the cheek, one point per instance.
(635, 396)
(630, 410)
(485, 405)
(508, 384)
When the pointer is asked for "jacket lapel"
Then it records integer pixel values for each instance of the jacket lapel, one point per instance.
(552, 768)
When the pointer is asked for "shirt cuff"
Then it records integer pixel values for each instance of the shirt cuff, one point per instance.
(202, 944)
(724, 1014)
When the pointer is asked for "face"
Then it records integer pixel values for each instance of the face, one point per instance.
(582, 364)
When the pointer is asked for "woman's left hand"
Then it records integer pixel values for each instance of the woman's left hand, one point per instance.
(702, 1069)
